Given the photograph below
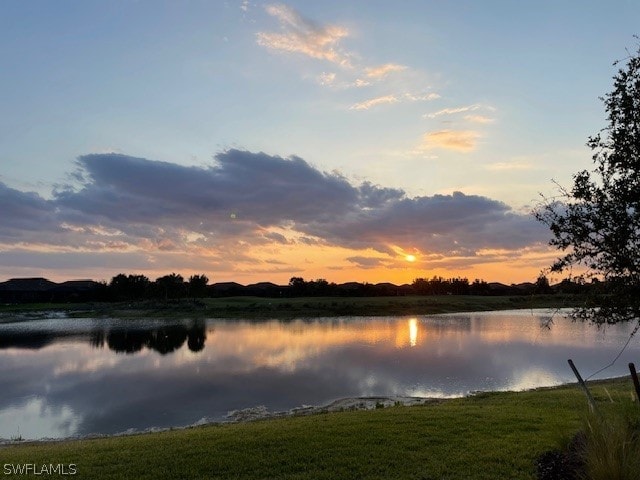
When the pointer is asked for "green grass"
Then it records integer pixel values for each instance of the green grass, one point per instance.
(488, 436)
(259, 307)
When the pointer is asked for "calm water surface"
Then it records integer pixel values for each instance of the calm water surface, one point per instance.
(66, 377)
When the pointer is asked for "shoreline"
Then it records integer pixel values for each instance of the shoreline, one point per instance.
(251, 414)
(260, 412)
(487, 436)
(262, 308)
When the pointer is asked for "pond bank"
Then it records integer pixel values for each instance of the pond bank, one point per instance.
(286, 308)
(251, 414)
(484, 436)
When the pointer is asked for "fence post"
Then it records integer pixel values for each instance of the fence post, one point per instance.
(634, 376)
(592, 402)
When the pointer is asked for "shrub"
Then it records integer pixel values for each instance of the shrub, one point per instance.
(608, 448)
(613, 444)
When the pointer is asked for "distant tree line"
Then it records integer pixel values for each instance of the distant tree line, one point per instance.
(298, 287)
(124, 287)
(450, 286)
(173, 287)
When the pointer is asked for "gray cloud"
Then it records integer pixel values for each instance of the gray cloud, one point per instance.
(72, 260)
(24, 212)
(367, 262)
(243, 186)
(442, 223)
(126, 204)
(374, 196)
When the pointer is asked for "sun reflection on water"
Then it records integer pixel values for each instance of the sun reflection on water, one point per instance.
(61, 385)
(413, 332)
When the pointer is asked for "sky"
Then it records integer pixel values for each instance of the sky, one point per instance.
(255, 141)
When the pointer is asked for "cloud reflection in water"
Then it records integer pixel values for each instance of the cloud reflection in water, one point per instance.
(104, 378)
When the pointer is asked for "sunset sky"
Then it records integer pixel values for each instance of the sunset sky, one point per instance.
(256, 141)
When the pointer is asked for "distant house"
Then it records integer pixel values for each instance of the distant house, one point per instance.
(350, 289)
(225, 289)
(391, 289)
(75, 290)
(29, 290)
(264, 289)
(261, 289)
(497, 288)
(20, 290)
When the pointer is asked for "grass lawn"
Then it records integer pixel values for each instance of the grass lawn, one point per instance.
(487, 436)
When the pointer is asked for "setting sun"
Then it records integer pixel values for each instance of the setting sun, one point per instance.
(348, 161)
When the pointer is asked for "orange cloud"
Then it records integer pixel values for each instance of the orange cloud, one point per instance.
(478, 119)
(388, 99)
(383, 70)
(303, 36)
(459, 140)
(367, 104)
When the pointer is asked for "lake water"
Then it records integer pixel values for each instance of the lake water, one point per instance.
(65, 377)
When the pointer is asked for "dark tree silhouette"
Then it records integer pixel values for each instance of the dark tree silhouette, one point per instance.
(479, 287)
(441, 286)
(119, 286)
(171, 286)
(197, 286)
(318, 287)
(297, 286)
(129, 287)
(596, 224)
(139, 285)
(542, 285)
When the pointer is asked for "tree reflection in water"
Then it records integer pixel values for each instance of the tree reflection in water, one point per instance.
(164, 340)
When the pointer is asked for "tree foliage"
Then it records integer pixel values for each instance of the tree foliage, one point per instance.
(197, 285)
(441, 286)
(129, 287)
(596, 224)
(171, 286)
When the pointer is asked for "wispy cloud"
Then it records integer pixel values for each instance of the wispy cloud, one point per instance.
(508, 166)
(470, 117)
(300, 35)
(367, 104)
(459, 140)
(425, 97)
(322, 42)
(359, 83)
(452, 111)
(381, 71)
(478, 119)
(389, 99)
(327, 78)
